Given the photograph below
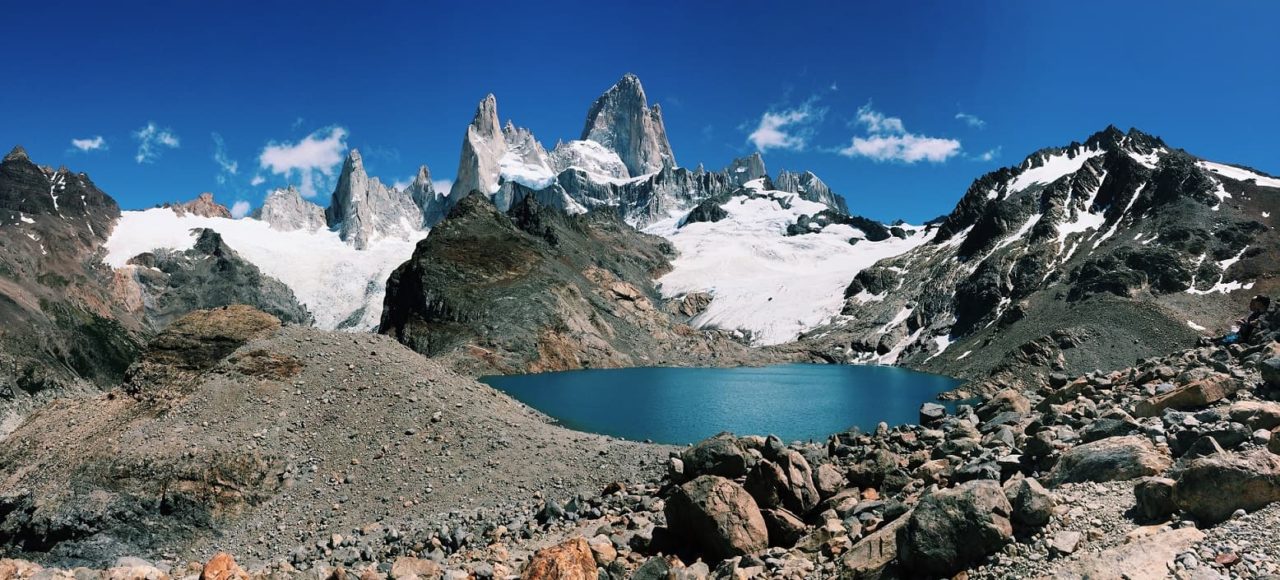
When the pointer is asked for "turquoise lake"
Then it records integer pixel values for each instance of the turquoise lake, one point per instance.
(686, 405)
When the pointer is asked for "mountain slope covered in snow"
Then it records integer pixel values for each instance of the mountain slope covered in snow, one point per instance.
(1080, 257)
(340, 285)
(765, 281)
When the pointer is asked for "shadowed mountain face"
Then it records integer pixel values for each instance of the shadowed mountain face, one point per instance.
(1081, 257)
(535, 289)
(58, 320)
(210, 274)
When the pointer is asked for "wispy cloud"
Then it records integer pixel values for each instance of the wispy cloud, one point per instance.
(227, 166)
(240, 209)
(316, 156)
(988, 155)
(887, 139)
(94, 143)
(442, 185)
(788, 129)
(257, 180)
(971, 120)
(152, 140)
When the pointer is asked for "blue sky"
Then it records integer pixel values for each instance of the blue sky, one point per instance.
(938, 93)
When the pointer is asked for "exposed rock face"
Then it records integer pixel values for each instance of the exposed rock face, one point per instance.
(623, 163)
(537, 289)
(747, 168)
(434, 204)
(809, 187)
(286, 210)
(482, 151)
(203, 206)
(1123, 235)
(208, 275)
(717, 517)
(622, 121)
(59, 322)
(363, 209)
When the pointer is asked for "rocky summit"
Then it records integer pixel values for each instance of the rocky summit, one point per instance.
(296, 393)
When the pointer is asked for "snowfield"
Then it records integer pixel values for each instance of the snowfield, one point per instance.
(330, 277)
(764, 282)
(1240, 174)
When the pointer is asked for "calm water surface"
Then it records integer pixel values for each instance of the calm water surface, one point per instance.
(685, 405)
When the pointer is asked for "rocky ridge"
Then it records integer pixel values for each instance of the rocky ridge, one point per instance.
(1130, 240)
(166, 285)
(536, 289)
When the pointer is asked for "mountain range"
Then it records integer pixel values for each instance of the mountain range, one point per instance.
(1140, 245)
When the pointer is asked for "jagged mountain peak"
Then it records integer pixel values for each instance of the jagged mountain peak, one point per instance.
(204, 206)
(486, 117)
(622, 120)
(17, 154)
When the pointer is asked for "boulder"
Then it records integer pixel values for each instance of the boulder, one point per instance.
(1270, 370)
(932, 414)
(1154, 496)
(716, 517)
(570, 560)
(1146, 558)
(785, 529)
(1064, 542)
(1211, 488)
(1111, 459)
(1031, 503)
(1194, 395)
(788, 483)
(1256, 414)
(721, 455)
(827, 480)
(955, 528)
(875, 556)
(1006, 401)
(223, 567)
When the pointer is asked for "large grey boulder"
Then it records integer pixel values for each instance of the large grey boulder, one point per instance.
(1031, 503)
(1212, 488)
(717, 518)
(955, 528)
(721, 455)
(1111, 459)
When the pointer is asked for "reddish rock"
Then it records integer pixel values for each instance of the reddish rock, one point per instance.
(223, 567)
(571, 560)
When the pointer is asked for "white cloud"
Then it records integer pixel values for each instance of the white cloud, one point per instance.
(988, 155)
(442, 185)
(971, 120)
(91, 144)
(316, 155)
(906, 148)
(401, 184)
(220, 156)
(889, 140)
(152, 140)
(257, 180)
(789, 129)
(240, 209)
(876, 122)
(834, 87)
